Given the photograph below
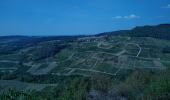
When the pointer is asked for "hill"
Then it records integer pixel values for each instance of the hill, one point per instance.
(117, 65)
(161, 31)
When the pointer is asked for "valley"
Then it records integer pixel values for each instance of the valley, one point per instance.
(106, 63)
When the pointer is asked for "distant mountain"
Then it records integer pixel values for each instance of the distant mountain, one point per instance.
(161, 31)
(11, 44)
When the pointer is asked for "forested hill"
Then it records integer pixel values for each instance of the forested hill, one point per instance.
(161, 31)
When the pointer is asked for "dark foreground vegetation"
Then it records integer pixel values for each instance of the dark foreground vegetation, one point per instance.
(140, 85)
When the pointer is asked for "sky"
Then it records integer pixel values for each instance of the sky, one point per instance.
(79, 17)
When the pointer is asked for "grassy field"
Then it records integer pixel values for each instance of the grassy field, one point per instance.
(107, 56)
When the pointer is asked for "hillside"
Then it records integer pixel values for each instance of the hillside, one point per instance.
(161, 31)
(102, 67)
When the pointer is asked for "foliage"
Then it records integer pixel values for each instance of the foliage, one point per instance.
(16, 95)
(160, 31)
(76, 90)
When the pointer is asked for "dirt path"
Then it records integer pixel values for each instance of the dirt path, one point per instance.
(36, 71)
(78, 62)
(59, 74)
(121, 67)
(140, 49)
(120, 53)
(99, 46)
(94, 64)
(70, 72)
(68, 57)
(90, 70)
(9, 61)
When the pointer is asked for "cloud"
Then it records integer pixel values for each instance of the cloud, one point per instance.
(168, 6)
(118, 17)
(132, 16)
(160, 16)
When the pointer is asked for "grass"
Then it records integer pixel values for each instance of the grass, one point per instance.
(23, 86)
(8, 65)
(42, 66)
(105, 67)
(63, 55)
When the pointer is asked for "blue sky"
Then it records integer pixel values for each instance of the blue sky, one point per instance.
(73, 17)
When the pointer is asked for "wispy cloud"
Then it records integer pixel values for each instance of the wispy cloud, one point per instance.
(132, 16)
(167, 6)
(160, 16)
